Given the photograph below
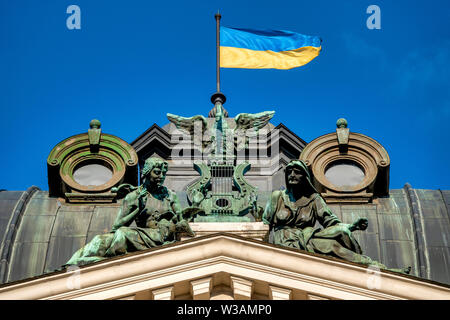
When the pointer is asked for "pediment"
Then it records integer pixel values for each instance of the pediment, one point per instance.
(223, 266)
(156, 137)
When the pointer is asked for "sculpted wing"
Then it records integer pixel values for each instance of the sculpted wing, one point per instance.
(187, 124)
(249, 121)
(246, 121)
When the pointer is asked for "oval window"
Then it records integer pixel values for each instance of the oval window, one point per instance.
(344, 173)
(92, 175)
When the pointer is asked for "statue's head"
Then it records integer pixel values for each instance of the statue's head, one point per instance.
(297, 175)
(154, 171)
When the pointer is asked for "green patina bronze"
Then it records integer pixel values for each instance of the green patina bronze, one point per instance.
(222, 194)
(154, 208)
(292, 216)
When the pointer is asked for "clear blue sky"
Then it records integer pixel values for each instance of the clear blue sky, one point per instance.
(133, 61)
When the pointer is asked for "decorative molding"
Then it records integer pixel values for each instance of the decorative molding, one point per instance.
(201, 289)
(242, 288)
(82, 149)
(358, 149)
(202, 257)
(155, 132)
(290, 137)
(276, 293)
(163, 293)
(76, 197)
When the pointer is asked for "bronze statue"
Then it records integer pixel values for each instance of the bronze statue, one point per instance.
(292, 215)
(244, 122)
(154, 208)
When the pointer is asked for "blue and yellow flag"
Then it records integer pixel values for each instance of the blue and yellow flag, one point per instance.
(266, 49)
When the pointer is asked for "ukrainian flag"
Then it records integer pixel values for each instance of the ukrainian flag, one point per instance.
(266, 49)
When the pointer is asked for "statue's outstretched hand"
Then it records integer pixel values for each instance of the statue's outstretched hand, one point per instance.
(360, 224)
(184, 227)
(190, 213)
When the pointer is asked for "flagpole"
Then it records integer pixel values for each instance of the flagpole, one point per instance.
(218, 16)
(218, 96)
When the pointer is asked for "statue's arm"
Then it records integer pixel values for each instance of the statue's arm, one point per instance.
(176, 207)
(324, 214)
(127, 213)
(271, 208)
(181, 225)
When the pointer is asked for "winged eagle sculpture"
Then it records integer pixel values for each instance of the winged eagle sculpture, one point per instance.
(256, 121)
(188, 126)
(244, 123)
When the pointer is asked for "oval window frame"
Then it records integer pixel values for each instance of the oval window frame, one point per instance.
(96, 162)
(85, 156)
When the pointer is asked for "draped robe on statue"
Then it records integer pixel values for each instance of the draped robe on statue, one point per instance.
(296, 228)
(293, 223)
(156, 219)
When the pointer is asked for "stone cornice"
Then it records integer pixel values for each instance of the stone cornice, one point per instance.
(295, 140)
(203, 256)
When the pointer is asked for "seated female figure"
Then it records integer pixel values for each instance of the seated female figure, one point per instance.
(156, 212)
(292, 216)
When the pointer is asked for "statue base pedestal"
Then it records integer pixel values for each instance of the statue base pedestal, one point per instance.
(221, 219)
(253, 230)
